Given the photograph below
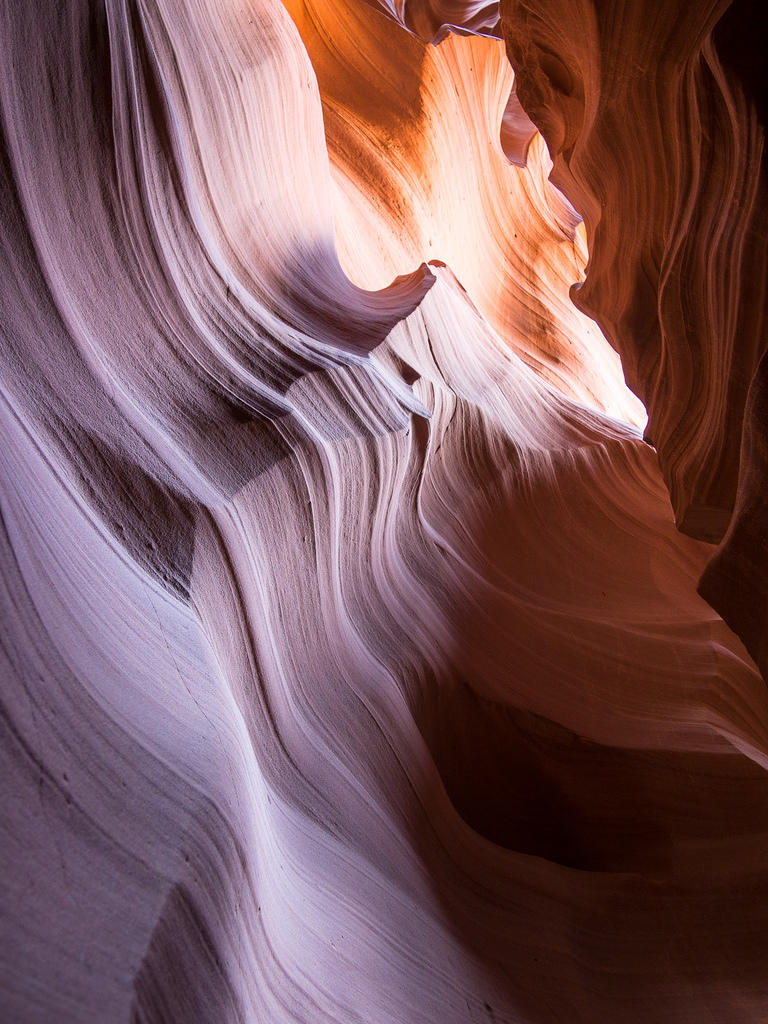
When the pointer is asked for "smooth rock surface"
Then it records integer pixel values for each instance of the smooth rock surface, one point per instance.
(655, 120)
(353, 665)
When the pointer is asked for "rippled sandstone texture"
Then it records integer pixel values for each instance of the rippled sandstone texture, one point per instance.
(353, 666)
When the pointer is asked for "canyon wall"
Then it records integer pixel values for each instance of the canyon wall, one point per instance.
(655, 120)
(354, 665)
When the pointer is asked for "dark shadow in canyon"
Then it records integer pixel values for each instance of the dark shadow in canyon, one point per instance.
(664, 846)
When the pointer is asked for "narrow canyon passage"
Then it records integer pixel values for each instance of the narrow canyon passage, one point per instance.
(363, 657)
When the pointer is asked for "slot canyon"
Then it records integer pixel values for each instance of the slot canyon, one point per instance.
(384, 512)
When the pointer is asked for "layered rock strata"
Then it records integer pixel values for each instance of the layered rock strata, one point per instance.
(655, 120)
(353, 666)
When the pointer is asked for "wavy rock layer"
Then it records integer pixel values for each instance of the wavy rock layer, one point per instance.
(353, 666)
(656, 119)
(420, 128)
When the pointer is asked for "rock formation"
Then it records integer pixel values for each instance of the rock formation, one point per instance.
(656, 118)
(353, 663)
